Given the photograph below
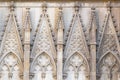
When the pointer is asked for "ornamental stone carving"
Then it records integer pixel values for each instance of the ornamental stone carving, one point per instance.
(56, 41)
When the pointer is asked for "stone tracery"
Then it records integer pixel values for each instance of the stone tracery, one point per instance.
(10, 68)
(43, 68)
(108, 67)
(77, 68)
(44, 51)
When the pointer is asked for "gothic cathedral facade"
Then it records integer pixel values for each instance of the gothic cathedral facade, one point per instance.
(59, 41)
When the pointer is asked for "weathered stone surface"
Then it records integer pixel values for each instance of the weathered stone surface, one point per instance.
(59, 41)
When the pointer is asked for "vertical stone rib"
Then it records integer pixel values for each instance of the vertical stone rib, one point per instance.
(27, 46)
(93, 45)
(60, 47)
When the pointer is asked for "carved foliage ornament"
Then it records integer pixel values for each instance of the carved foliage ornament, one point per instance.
(44, 41)
(109, 40)
(11, 41)
(76, 40)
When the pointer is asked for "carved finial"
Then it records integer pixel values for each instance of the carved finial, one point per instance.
(60, 17)
(27, 11)
(77, 5)
(93, 10)
(28, 18)
(44, 7)
(12, 6)
(108, 5)
(60, 10)
(92, 18)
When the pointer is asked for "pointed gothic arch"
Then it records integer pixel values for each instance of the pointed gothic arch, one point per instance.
(109, 52)
(42, 65)
(108, 66)
(80, 66)
(11, 67)
(67, 60)
(11, 52)
(52, 60)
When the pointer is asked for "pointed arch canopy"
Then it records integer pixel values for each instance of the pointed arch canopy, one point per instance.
(108, 52)
(50, 58)
(19, 61)
(108, 66)
(79, 54)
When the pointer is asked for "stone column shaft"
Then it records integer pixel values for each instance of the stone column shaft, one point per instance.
(60, 54)
(26, 54)
(93, 49)
(93, 62)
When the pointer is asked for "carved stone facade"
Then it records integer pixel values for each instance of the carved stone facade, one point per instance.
(54, 41)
